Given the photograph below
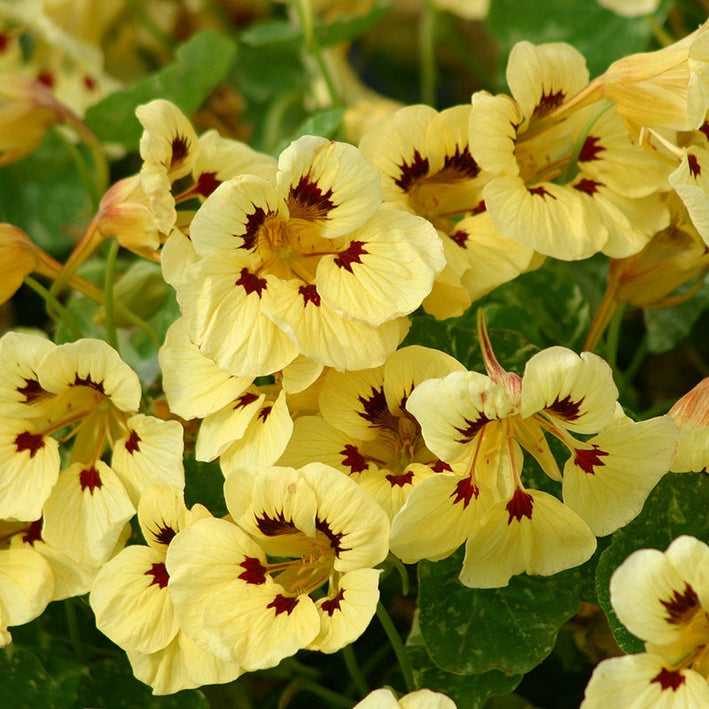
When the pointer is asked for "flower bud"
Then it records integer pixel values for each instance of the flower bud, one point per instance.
(27, 110)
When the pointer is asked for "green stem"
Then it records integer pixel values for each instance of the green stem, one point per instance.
(73, 627)
(427, 53)
(613, 336)
(663, 37)
(101, 177)
(636, 362)
(312, 46)
(403, 573)
(348, 655)
(332, 699)
(82, 168)
(110, 302)
(397, 645)
(54, 308)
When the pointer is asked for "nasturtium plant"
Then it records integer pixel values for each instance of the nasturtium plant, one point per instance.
(354, 354)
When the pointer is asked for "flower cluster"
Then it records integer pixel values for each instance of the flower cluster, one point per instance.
(342, 446)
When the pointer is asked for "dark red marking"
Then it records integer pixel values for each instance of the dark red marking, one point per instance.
(540, 191)
(89, 82)
(87, 381)
(335, 537)
(461, 164)
(460, 238)
(465, 491)
(46, 78)
(245, 399)
(350, 255)
(27, 441)
(283, 604)
(682, 606)
(400, 480)
(411, 172)
(251, 283)
(587, 460)
(310, 295)
(180, 149)
(275, 526)
(566, 408)
(159, 574)
(519, 506)
(31, 391)
(33, 533)
(669, 679)
(333, 604)
(694, 167)
(255, 571)
(440, 467)
(90, 478)
(472, 428)
(164, 534)
(590, 187)
(264, 413)
(307, 201)
(206, 183)
(547, 103)
(132, 442)
(374, 406)
(254, 222)
(353, 459)
(590, 149)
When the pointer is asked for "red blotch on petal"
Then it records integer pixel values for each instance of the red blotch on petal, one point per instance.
(547, 103)
(694, 167)
(245, 399)
(333, 604)
(264, 413)
(682, 606)
(353, 459)
(465, 490)
(472, 428)
(590, 187)
(27, 441)
(350, 255)
(283, 604)
(87, 381)
(460, 238)
(590, 149)
(163, 535)
(519, 506)
(400, 480)
(33, 533)
(90, 479)
(255, 571)
(669, 679)
(411, 172)
(159, 574)
(180, 148)
(275, 526)
(310, 295)
(250, 282)
(206, 183)
(132, 443)
(566, 408)
(374, 405)
(46, 78)
(440, 467)
(587, 460)
(307, 201)
(254, 221)
(31, 391)
(89, 82)
(335, 538)
(540, 191)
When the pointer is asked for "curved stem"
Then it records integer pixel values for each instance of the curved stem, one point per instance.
(613, 336)
(397, 645)
(109, 303)
(403, 573)
(360, 682)
(602, 318)
(55, 309)
(298, 685)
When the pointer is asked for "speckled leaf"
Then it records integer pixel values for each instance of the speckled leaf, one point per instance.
(678, 505)
(24, 682)
(469, 631)
(467, 691)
